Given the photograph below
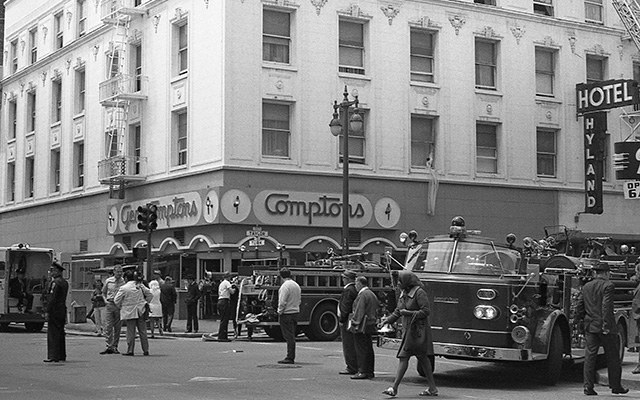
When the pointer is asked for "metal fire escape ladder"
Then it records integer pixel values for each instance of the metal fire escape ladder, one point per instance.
(629, 13)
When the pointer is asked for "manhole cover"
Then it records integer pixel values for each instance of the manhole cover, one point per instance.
(279, 366)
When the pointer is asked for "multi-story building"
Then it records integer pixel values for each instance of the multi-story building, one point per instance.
(218, 112)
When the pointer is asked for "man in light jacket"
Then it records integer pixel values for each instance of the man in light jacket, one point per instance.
(288, 310)
(131, 299)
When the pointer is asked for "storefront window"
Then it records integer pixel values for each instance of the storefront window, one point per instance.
(169, 265)
(83, 275)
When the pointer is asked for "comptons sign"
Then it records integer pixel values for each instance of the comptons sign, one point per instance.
(605, 95)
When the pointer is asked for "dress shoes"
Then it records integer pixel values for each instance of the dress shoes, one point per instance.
(127, 354)
(347, 372)
(146, 353)
(48, 360)
(361, 375)
(619, 390)
(590, 392)
(224, 340)
(107, 351)
(286, 361)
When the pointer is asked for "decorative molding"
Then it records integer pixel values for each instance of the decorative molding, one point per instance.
(390, 11)
(67, 63)
(425, 22)
(206, 4)
(96, 49)
(31, 86)
(22, 84)
(354, 11)
(179, 14)
(135, 37)
(69, 16)
(79, 63)
(97, 4)
(547, 41)
(488, 32)
(44, 77)
(23, 44)
(281, 3)
(620, 50)
(45, 30)
(156, 21)
(572, 41)
(597, 49)
(318, 4)
(57, 74)
(457, 21)
(517, 32)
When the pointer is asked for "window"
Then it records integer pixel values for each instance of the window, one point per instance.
(58, 26)
(29, 177)
(180, 134)
(276, 130)
(56, 101)
(11, 182)
(351, 47)
(33, 45)
(14, 56)
(546, 152)
(486, 64)
(421, 55)
(182, 56)
(357, 142)
(82, 17)
(111, 143)
(276, 36)
(545, 71)
(595, 69)
(136, 148)
(13, 119)
(80, 91)
(422, 141)
(78, 162)
(31, 111)
(55, 171)
(593, 11)
(487, 2)
(486, 149)
(136, 65)
(543, 7)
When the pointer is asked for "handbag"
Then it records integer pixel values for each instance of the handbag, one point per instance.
(147, 310)
(415, 340)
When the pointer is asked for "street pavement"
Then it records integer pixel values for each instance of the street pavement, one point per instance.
(209, 327)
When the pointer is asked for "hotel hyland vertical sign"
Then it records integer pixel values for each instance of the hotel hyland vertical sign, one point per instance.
(591, 100)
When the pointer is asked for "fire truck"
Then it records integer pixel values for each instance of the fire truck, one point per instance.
(498, 302)
(34, 263)
(321, 286)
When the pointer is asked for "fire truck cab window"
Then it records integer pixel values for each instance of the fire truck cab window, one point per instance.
(484, 259)
(432, 257)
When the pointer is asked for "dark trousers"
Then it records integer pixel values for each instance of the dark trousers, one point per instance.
(610, 344)
(349, 348)
(141, 325)
(25, 299)
(192, 317)
(364, 350)
(224, 309)
(288, 326)
(167, 316)
(56, 346)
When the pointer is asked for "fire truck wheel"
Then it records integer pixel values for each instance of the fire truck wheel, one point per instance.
(553, 363)
(421, 372)
(324, 323)
(622, 336)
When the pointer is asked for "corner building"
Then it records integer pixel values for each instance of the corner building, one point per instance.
(218, 112)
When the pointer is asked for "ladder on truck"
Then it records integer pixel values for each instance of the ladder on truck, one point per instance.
(117, 94)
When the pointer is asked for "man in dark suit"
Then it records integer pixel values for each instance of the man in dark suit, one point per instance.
(56, 315)
(18, 290)
(168, 299)
(349, 293)
(595, 306)
(193, 294)
(363, 325)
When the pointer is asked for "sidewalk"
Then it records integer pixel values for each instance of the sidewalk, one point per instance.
(178, 327)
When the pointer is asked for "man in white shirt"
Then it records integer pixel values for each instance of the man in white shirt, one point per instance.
(109, 290)
(224, 307)
(288, 310)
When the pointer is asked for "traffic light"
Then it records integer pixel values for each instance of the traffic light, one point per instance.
(143, 218)
(153, 217)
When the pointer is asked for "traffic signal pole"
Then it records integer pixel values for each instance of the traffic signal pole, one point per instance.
(149, 260)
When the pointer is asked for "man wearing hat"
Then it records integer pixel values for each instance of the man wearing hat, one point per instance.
(225, 290)
(595, 307)
(56, 315)
(349, 294)
(193, 295)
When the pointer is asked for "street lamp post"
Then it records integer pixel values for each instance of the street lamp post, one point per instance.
(341, 124)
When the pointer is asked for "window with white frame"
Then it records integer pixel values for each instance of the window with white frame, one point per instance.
(78, 164)
(14, 55)
(56, 100)
(13, 118)
(486, 59)
(33, 45)
(545, 72)
(276, 129)
(546, 152)
(81, 10)
(135, 148)
(54, 178)
(486, 148)
(422, 55)
(180, 136)
(80, 91)
(29, 175)
(58, 26)
(593, 11)
(181, 39)
(276, 36)
(357, 141)
(543, 7)
(31, 111)
(136, 65)
(11, 182)
(422, 141)
(596, 68)
(111, 143)
(351, 47)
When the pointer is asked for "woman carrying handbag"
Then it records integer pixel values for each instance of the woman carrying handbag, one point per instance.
(413, 308)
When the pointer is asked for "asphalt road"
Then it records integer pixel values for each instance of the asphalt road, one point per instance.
(189, 368)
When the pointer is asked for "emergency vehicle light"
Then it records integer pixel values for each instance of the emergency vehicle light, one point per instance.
(486, 294)
(485, 312)
(520, 334)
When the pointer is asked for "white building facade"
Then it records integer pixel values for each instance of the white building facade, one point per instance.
(218, 112)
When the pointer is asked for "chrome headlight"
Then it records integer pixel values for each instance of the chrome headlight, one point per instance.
(520, 334)
(485, 312)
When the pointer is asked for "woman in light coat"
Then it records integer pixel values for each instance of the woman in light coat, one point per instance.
(131, 299)
(155, 314)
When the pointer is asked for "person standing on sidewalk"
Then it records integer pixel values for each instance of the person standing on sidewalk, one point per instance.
(168, 299)
(114, 325)
(131, 299)
(595, 307)
(193, 294)
(99, 307)
(345, 306)
(363, 322)
(224, 307)
(56, 315)
(289, 298)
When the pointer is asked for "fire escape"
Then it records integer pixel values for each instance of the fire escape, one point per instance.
(122, 164)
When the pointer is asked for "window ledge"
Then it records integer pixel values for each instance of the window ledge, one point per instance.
(279, 66)
(175, 168)
(77, 189)
(56, 124)
(425, 84)
(79, 115)
(489, 92)
(178, 78)
(544, 99)
(354, 76)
